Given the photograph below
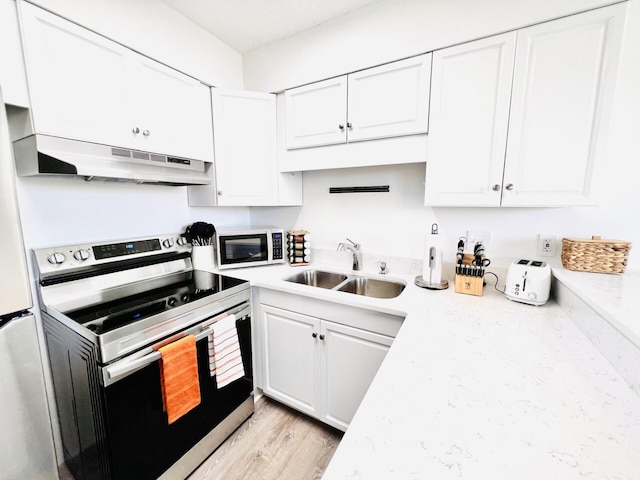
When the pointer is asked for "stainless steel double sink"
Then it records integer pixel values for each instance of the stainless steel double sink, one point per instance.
(356, 284)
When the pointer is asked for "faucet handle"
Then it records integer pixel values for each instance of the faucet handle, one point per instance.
(383, 268)
(355, 245)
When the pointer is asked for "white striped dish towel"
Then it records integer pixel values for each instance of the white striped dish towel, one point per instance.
(225, 360)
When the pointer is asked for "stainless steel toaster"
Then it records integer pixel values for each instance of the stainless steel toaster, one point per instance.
(528, 281)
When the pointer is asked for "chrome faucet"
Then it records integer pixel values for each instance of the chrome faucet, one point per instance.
(354, 248)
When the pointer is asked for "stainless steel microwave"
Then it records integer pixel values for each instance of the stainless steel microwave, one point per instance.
(249, 247)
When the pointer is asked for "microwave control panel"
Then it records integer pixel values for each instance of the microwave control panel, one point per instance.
(276, 241)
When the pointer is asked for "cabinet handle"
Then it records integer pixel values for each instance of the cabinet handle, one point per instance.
(349, 125)
(341, 127)
(496, 188)
(314, 334)
(220, 192)
(509, 186)
(322, 337)
(146, 133)
(135, 130)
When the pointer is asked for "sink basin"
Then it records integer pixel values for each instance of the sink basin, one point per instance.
(371, 287)
(318, 278)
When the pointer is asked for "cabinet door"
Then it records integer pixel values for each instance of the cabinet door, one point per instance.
(471, 90)
(12, 75)
(350, 359)
(245, 147)
(77, 79)
(389, 100)
(172, 111)
(316, 114)
(564, 76)
(291, 358)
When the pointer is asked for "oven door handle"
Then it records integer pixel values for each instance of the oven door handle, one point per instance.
(124, 367)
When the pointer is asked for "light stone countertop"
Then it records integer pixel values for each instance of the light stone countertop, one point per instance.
(615, 297)
(482, 388)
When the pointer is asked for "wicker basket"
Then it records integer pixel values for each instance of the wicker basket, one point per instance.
(595, 255)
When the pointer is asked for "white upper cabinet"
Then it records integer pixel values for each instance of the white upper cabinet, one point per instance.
(12, 76)
(532, 142)
(389, 100)
(246, 162)
(471, 90)
(385, 101)
(86, 87)
(316, 114)
(172, 111)
(563, 83)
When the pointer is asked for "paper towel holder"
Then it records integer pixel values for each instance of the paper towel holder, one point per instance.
(426, 283)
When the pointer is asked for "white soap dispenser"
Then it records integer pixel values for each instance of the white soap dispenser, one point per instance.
(432, 265)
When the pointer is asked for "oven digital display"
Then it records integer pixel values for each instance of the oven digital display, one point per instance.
(119, 249)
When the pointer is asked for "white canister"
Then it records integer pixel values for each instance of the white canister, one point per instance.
(203, 258)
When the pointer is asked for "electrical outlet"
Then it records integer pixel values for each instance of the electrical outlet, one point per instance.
(476, 236)
(546, 244)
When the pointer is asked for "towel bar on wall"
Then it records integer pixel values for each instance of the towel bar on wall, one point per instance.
(372, 189)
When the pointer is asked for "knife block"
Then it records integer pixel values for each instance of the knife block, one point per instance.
(467, 284)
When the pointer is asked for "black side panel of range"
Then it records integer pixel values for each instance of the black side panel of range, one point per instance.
(79, 401)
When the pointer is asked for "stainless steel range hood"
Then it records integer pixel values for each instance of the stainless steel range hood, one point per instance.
(46, 155)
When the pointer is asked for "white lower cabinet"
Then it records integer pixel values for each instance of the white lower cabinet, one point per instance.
(350, 358)
(317, 366)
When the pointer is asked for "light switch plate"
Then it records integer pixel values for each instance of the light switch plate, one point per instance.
(475, 236)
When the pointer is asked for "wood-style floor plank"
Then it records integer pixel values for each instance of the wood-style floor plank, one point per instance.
(276, 443)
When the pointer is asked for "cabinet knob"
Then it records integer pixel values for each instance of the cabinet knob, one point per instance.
(509, 186)
(341, 127)
(135, 130)
(314, 334)
(146, 133)
(219, 192)
(349, 125)
(496, 188)
(322, 337)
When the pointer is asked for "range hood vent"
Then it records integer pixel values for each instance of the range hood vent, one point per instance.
(46, 155)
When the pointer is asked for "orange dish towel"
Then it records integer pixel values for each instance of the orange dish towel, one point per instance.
(225, 358)
(179, 377)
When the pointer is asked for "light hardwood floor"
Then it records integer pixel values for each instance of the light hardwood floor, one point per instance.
(276, 443)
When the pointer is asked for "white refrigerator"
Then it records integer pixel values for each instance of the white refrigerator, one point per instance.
(26, 439)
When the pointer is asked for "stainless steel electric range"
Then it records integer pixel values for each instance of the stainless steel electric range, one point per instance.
(106, 308)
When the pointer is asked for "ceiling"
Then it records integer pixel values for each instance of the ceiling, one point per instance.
(245, 25)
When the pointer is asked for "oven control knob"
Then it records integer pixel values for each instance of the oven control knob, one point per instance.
(56, 258)
(172, 302)
(182, 241)
(185, 298)
(168, 243)
(81, 255)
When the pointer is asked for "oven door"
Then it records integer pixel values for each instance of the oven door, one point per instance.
(142, 443)
(243, 250)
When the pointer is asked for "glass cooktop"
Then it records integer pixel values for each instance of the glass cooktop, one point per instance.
(108, 316)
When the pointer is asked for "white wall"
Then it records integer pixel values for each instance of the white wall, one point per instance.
(397, 222)
(155, 30)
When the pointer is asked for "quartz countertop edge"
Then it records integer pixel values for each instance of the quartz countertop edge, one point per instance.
(613, 296)
(479, 388)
